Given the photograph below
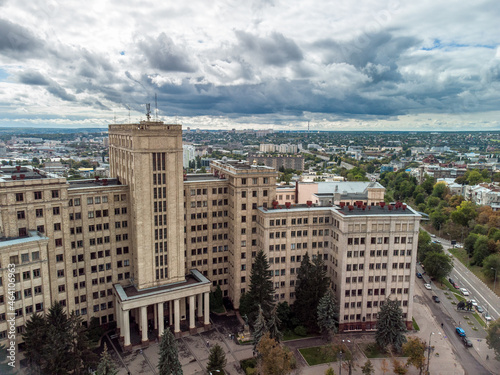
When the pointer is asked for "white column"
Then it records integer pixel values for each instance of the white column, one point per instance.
(155, 315)
(192, 306)
(200, 305)
(177, 316)
(126, 327)
(170, 313)
(144, 323)
(160, 319)
(207, 309)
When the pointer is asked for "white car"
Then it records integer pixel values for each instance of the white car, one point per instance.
(474, 302)
(427, 286)
(464, 291)
(487, 316)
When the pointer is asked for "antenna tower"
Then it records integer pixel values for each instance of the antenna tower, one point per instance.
(156, 108)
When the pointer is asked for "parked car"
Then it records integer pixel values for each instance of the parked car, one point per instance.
(460, 331)
(464, 291)
(433, 235)
(467, 341)
(451, 281)
(427, 286)
(487, 316)
(456, 286)
(419, 275)
(436, 299)
(479, 309)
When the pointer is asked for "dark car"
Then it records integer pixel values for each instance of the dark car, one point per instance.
(479, 309)
(436, 299)
(419, 275)
(451, 281)
(467, 342)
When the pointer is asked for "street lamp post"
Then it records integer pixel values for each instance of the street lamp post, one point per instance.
(429, 352)
(495, 282)
(340, 363)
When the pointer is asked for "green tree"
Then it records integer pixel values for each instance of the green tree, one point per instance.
(414, 349)
(391, 327)
(169, 363)
(329, 371)
(490, 264)
(284, 315)
(273, 325)
(438, 265)
(328, 316)
(34, 337)
(57, 347)
(464, 213)
(312, 285)
(5, 368)
(438, 218)
(259, 328)
(81, 353)
(440, 190)
(493, 337)
(216, 359)
(469, 242)
(216, 301)
(261, 286)
(367, 368)
(106, 364)
(481, 250)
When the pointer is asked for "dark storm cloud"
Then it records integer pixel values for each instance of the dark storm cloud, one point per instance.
(16, 41)
(275, 50)
(37, 79)
(162, 53)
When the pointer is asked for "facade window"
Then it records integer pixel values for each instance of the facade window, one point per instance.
(38, 195)
(55, 193)
(19, 197)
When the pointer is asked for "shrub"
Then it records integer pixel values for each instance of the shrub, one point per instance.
(300, 331)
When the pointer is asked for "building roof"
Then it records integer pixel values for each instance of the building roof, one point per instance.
(76, 184)
(343, 187)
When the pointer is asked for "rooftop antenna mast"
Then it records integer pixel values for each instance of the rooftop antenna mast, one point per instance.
(156, 108)
(126, 106)
(148, 112)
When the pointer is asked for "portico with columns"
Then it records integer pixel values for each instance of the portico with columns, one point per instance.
(177, 305)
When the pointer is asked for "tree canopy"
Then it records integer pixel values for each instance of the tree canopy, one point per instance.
(391, 327)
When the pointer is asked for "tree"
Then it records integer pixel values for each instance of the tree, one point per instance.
(414, 349)
(80, 349)
(260, 328)
(34, 337)
(490, 264)
(169, 363)
(481, 250)
(284, 315)
(273, 358)
(106, 364)
(398, 367)
(261, 286)
(312, 285)
(390, 326)
(440, 190)
(493, 337)
(464, 213)
(384, 366)
(273, 325)
(329, 371)
(367, 368)
(438, 265)
(469, 242)
(216, 359)
(56, 348)
(328, 314)
(5, 368)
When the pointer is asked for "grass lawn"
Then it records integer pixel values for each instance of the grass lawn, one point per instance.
(415, 325)
(480, 321)
(460, 298)
(317, 355)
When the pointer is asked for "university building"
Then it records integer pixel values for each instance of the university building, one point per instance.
(145, 247)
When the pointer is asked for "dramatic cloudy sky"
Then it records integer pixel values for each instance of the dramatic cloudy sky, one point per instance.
(340, 64)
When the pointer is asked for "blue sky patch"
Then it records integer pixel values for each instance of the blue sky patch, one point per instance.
(3, 74)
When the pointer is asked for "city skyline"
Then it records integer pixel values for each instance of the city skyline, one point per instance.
(366, 66)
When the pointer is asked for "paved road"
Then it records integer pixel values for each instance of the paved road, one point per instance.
(468, 357)
(478, 290)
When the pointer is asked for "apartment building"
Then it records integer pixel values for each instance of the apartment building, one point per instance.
(146, 247)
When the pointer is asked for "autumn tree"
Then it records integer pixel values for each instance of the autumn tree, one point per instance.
(273, 358)
(414, 349)
(399, 367)
(367, 368)
(391, 327)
